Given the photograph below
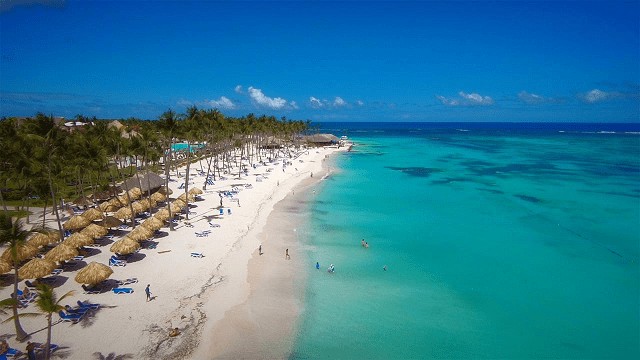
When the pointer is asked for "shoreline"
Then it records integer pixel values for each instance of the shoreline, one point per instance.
(263, 324)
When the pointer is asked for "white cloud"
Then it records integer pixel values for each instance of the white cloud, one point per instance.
(466, 100)
(530, 98)
(339, 102)
(259, 98)
(359, 102)
(222, 103)
(238, 89)
(293, 104)
(315, 102)
(596, 95)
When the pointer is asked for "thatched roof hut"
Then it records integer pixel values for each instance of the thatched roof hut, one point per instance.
(154, 182)
(321, 139)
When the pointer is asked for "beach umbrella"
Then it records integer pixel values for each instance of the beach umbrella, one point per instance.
(153, 223)
(123, 213)
(162, 214)
(83, 201)
(42, 239)
(107, 206)
(62, 252)
(123, 200)
(137, 207)
(125, 246)
(94, 273)
(95, 231)
(141, 233)
(148, 203)
(76, 222)
(93, 214)
(179, 204)
(158, 196)
(163, 191)
(110, 222)
(185, 196)
(101, 195)
(5, 267)
(135, 193)
(24, 252)
(36, 268)
(78, 240)
(195, 191)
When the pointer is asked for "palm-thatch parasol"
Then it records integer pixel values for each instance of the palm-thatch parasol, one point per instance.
(83, 201)
(195, 191)
(101, 195)
(191, 197)
(162, 214)
(110, 222)
(76, 222)
(94, 231)
(177, 205)
(78, 240)
(123, 213)
(93, 214)
(62, 252)
(108, 206)
(158, 196)
(163, 191)
(137, 207)
(5, 267)
(135, 193)
(153, 223)
(36, 268)
(141, 233)
(94, 273)
(123, 200)
(42, 239)
(125, 246)
(148, 203)
(24, 252)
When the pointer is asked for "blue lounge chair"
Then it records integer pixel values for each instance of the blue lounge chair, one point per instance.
(88, 305)
(122, 290)
(197, 255)
(221, 211)
(41, 347)
(74, 318)
(113, 262)
(11, 353)
(57, 271)
(77, 311)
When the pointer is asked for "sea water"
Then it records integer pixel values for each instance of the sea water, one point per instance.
(499, 241)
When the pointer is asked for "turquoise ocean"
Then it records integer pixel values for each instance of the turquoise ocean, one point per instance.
(517, 241)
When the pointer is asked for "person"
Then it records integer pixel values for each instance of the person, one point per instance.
(174, 332)
(312, 174)
(286, 254)
(31, 350)
(317, 265)
(229, 211)
(331, 269)
(366, 244)
(25, 292)
(384, 268)
(362, 242)
(4, 347)
(147, 290)
(260, 249)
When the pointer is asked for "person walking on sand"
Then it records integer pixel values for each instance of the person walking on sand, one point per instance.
(286, 254)
(260, 249)
(147, 291)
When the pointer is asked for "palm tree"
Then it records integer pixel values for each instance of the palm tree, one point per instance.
(13, 234)
(49, 305)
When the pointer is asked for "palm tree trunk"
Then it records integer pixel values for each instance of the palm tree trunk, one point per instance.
(21, 335)
(53, 199)
(167, 158)
(47, 351)
(186, 181)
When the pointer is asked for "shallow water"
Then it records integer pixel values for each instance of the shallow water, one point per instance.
(499, 244)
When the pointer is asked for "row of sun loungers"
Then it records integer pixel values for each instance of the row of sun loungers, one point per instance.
(12, 353)
(203, 233)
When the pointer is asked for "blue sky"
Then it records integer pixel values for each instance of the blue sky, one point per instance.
(324, 61)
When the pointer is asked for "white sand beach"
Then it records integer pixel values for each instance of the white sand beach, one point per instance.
(230, 303)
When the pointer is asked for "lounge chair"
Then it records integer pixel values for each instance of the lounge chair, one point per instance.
(74, 318)
(113, 262)
(181, 186)
(214, 225)
(29, 284)
(122, 290)
(12, 353)
(57, 271)
(127, 281)
(91, 290)
(88, 305)
(201, 234)
(42, 347)
(221, 211)
(197, 255)
(77, 311)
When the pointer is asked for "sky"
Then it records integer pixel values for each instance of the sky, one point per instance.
(517, 61)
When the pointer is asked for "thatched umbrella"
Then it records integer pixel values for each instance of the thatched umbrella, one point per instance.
(78, 240)
(62, 252)
(5, 267)
(177, 205)
(141, 233)
(137, 207)
(162, 214)
(191, 197)
(76, 222)
(83, 201)
(42, 239)
(101, 195)
(124, 246)
(135, 193)
(36, 268)
(153, 223)
(95, 231)
(93, 214)
(164, 192)
(158, 196)
(110, 222)
(108, 206)
(94, 273)
(123, 200)
(123, 213)
(195, 191)
(25, 251)
(148, 203)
